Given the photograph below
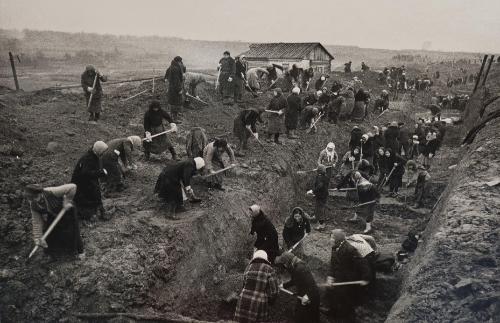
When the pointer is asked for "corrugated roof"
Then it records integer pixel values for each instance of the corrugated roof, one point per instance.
(282, 50)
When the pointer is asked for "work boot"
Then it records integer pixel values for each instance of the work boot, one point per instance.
(219, 187)
(319, 227)
(368, 228)
(174, 154)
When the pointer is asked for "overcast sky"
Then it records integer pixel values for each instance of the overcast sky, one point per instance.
(468, 25)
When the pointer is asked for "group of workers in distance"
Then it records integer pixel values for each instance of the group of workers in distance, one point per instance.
(376, 158)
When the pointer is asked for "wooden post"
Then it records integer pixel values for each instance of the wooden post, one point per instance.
(480, 73)
(12, 64)
(488, 69)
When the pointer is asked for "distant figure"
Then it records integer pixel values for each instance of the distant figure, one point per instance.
(306, 80)
(364, 67)
(153, 124)
(91, 84)
(347, 67)
(227, 71)
(192, 80)
(240, 78)
(175, 77)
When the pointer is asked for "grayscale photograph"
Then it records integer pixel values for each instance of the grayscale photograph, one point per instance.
(218, 161)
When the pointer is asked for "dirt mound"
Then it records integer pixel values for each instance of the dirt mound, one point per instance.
(455, 274)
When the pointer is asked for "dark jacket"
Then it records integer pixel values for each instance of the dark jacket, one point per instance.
(87, 80)
(356, 135)
(168, 185)
(174, 74)
(294, 231)
(368, 193)
(247, 117)
(391, 138)
(153, 119)
(86, 177)
(241, 70)
(368, 148)
(267, 236)
(292, 111)
(321, 184)
(346, 264)
(227, 66)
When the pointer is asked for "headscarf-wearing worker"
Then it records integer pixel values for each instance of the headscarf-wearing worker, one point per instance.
(309, 114)
(296, 74)
(212, 154)
(306, 80)
(272, 73)
(347, 67)
(153, 124)
(245, 126)
(175, 77)
(367, 149)
(296, 227)
(367, 192)
(45, 205)
(192, 80)
(276, 123)
(119, 150)
(175, 181)
(356, 134)
(350, 161)
(89, 89)
(308, 301)
(328, 157)
(241, 67)
(320, 192)
(430, 147)
(267, 236)
(361, 101)
(320, 83)
(260, 289)
(378, 162)
(422, 178)
(334, 108)
(292, 112)
(346, 264)
(392, 137)
(382, 103)
(88, 170)
(227, 71)
(196, 142)
(397, 165)
(254, 75)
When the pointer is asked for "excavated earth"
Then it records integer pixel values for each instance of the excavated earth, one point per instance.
(142, 262)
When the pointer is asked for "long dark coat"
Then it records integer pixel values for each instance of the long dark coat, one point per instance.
(276, 123)
(87, 80)
(392, 138)
(320, 189)
(86, 177)
(303, 280)
(174, 75)
(247, 117)
(168, 186)
(292, 111)
(294, 231)
(153, 123)
(267, 236)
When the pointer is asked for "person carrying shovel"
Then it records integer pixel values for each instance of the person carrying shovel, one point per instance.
(91, 83)
(297, 227)
(212, 154)
(45, 205)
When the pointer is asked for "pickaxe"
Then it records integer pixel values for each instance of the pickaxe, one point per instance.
(50, 229)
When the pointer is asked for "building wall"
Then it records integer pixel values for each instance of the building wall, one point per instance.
(319, 66)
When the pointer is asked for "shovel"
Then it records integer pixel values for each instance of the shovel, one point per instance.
(357, 205)
(50, 229)
(93, 88)
(355, 282)
(196, 98)
(314, 123)
(298, 242)
(159, 134)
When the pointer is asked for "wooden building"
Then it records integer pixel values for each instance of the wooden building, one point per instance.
(304, 55)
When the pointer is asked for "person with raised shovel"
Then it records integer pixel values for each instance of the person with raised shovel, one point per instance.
(91, 83)
(54, 219)
(297, 227)
(349, 272)
(174, 183)
(368, 197)
(153, 125)
(307, 291)
(212, 154)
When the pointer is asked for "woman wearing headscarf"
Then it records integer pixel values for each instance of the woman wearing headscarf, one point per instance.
(276, 123)
(175, 77)
(328, 157)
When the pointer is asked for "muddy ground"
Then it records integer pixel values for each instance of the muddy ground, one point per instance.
(142, 262)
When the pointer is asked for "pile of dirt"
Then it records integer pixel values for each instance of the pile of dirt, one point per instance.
(142, 262)
(455, 274)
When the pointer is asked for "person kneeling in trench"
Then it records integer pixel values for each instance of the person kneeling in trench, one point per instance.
(308, 300)
(212, 153)
(175, 180)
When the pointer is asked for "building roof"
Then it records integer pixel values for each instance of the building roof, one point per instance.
(282, 50)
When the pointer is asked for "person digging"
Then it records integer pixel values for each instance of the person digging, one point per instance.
(368, 197)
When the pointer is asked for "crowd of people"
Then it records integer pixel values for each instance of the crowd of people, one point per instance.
(390, 155)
